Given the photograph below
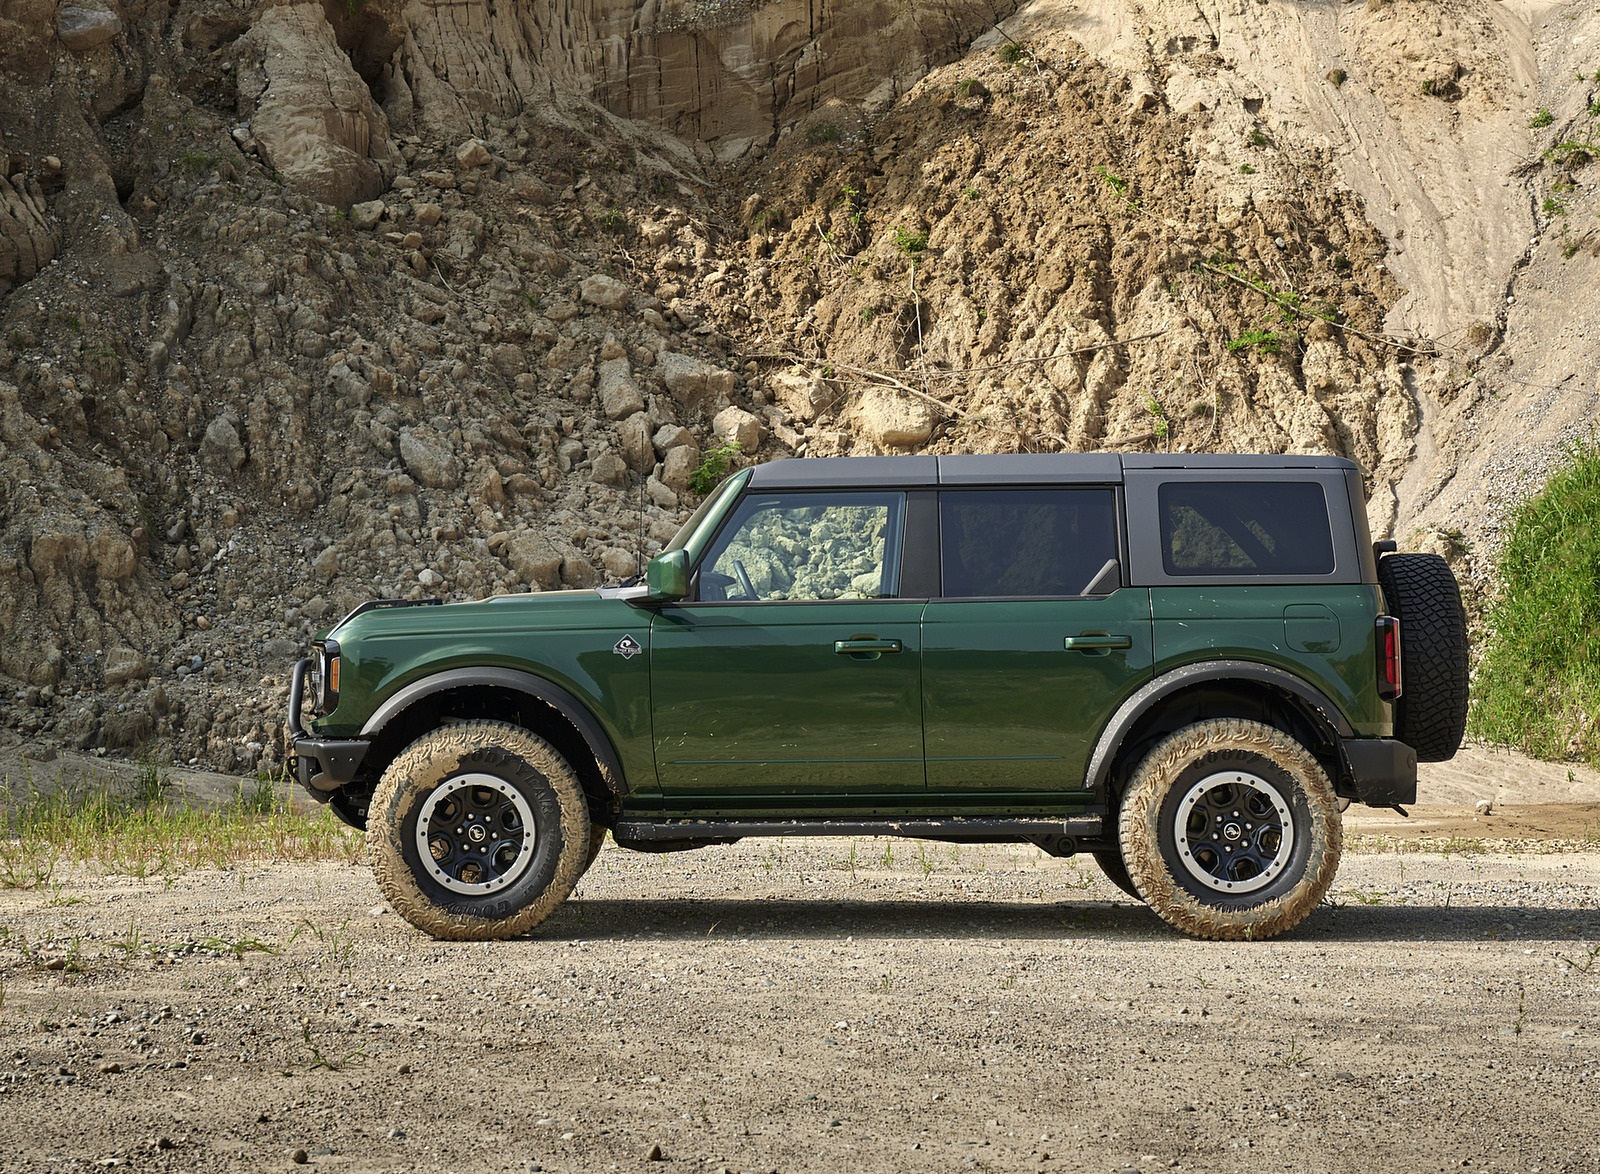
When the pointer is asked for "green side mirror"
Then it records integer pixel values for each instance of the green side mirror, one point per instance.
(668, 575)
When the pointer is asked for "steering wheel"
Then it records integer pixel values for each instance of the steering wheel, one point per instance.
(745, 586)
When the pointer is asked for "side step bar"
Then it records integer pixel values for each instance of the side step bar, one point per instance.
(632, 830)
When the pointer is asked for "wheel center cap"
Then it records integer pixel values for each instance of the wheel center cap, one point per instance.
(477, 833)
(1231, 832)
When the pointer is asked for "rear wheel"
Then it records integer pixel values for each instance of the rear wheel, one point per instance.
(478, 831)
(1230, 829)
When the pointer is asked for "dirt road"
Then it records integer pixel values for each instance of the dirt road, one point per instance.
(793, 1006)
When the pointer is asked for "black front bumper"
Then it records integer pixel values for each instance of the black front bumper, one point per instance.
(1382, 771)
(322, 765)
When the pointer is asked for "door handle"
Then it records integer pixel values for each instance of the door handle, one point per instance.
(865, 647)
(1096, 643)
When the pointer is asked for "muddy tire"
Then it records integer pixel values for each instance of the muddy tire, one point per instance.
(597, 840)
(478, 831)
(1420, 590)
(1111, 863)
(1230, 830)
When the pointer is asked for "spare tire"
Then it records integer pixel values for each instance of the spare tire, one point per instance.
(1421, 592)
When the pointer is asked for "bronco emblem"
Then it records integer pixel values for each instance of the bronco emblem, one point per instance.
(627, 648)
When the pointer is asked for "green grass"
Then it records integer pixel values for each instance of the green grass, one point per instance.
(141, 831)
(1537, 686)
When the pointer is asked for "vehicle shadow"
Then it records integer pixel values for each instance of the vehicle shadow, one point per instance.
(691, 917)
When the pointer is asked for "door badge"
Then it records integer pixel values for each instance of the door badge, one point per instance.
(627, 648)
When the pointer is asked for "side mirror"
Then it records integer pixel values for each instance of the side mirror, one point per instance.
(668, 576)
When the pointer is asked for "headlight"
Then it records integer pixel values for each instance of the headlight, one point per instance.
(327, 676)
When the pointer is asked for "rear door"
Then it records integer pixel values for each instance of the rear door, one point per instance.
(1033, 643)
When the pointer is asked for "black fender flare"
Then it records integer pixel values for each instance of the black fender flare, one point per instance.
(548, 692)
(1185, 676)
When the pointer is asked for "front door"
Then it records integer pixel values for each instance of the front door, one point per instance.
(794, 670)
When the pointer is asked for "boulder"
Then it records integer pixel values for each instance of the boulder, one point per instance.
(738, 426)
(431, 464)
(619, 394)
(606, 292)
(803, 394)
(893, 420)
(80, 29)
(312, 116)
(694, 382)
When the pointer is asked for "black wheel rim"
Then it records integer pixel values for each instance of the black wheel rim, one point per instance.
(475, 834)
(1234, 832)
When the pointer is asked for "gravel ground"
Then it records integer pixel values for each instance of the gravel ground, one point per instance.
(793, 1006)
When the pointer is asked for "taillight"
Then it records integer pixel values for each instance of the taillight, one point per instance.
(328, 666)
(1389, 686)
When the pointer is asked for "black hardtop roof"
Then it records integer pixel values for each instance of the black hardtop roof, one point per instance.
(1007, 469)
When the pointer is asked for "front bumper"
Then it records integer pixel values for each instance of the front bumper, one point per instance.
(322, 765)
(1383, 771)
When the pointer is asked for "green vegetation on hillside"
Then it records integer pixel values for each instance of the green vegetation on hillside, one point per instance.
(1538, 684)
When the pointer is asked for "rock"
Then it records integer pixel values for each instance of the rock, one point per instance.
(661, 494)
(221, 447)
(693, 382)
(473, 153)
(533, 557)
(608, 469)
(805, 395)
(313, 118)
(619, 564)
(325, 564)
(633, 434)
(655, 1154)
(1484, 806)
(606, 292)
(432, 465)
(86, 28)
(28, 240)
(739, 427)
(670, 436)
(893, 420)
(677, 468)
(366, 215)
(124, 664)
(427, 215)
(577, 571)
(619, 394)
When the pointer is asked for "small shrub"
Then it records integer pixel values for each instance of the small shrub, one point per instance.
(713, 467)
(1012, 52)
(1258, 137)
(911, 241)
(1117, 182)
(819, 133)
(1337, 77)
(613, 221)
(1542, 119)
(1265, 341)
(1246, 169)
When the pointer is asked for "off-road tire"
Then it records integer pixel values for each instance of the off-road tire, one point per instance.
(505, 779)
(1421, 592)
(597, 840)
(1215, 787)
(1111, 863)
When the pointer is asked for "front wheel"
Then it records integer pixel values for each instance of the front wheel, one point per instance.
(1230, 830)
(478, 831)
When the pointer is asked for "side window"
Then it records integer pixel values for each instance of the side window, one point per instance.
(1027, 542)
(1245, 527)
(807, 546)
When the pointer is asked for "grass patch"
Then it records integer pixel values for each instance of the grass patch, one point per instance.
(144, 830)
(1538, 683)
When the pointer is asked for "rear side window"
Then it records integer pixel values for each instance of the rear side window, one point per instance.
(1245, 527)
(1027, 542)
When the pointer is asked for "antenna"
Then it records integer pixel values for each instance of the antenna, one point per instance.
(638, 559)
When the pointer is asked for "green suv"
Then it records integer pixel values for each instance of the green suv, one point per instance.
(1187, 666)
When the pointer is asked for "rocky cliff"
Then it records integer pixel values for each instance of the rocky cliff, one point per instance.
(302, 304)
